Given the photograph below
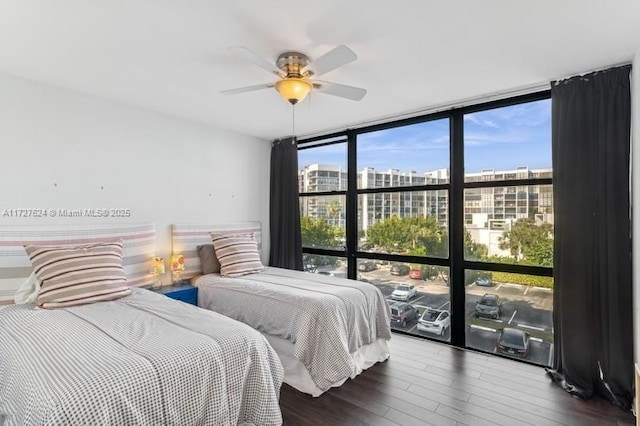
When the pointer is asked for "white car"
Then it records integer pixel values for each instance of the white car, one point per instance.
(434, 321)
(404, 292)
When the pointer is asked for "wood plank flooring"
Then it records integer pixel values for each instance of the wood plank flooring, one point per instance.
(427, 383)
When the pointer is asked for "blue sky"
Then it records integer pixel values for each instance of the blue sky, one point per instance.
(500, 139)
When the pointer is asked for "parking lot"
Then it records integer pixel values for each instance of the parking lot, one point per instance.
(524, 307)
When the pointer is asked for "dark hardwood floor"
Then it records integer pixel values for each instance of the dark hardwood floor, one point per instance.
(429, 383)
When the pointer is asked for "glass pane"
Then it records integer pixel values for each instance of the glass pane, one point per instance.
(323, 168)
(325, 265)
(322, 221)
(510, 224)
(512, 142)
(511, 314)
(418, 295)
(412, 223)
(409, 155)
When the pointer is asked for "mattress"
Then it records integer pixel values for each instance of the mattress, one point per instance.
(329, 321)
(142, 359)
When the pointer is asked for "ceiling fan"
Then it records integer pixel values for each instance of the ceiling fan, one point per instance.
(297, 74)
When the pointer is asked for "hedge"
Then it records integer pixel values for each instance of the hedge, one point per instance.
(530, 280)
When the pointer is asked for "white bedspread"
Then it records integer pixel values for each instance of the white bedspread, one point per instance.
(142, 359)
(327, 318)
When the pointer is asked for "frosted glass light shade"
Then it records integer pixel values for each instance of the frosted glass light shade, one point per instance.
(293, 90)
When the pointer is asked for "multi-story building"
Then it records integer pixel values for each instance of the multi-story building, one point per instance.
(488, 211)
(509, 202)
(323, 178)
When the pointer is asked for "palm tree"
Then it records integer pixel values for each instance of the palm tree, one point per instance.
(334, 208)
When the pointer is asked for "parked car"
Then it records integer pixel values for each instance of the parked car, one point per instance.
(513, 341)
(399, 269)
(434, 321)
(415, 274)
(402, 313)
(489, 306)
(404, 292)
(310, 267)
(483, 281)
(367, 265)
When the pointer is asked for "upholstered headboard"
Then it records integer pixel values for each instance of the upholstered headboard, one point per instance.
(186, 237)
(15, 267)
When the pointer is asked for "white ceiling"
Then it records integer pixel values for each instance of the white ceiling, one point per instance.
(172, 55)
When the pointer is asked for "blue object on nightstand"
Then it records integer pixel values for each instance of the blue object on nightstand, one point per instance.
(185, 293)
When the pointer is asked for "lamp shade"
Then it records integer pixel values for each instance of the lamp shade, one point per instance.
(157, 267)
(293, 90)
(177, 262)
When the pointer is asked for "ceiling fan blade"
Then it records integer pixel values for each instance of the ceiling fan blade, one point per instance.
(247, 89)
(341, 90)
(331, 60)
(251, 56)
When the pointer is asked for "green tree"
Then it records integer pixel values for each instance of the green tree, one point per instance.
(334, 208)
(318, 233)
(421, 236)
(528, 240)
(541, 252)
(473, 250)
(417, 235)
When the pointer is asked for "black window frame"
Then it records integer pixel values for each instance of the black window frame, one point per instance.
(455, 188)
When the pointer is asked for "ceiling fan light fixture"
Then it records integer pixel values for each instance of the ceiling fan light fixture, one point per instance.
(293, 90)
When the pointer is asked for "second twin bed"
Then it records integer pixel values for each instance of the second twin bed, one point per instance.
(325, 329)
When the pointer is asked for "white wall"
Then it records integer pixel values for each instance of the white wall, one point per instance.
(63, 149)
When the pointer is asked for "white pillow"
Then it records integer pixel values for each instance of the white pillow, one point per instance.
(28, 291)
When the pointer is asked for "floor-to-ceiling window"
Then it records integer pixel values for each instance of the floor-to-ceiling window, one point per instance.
(450, 215)
(322, 180)
(508, 221)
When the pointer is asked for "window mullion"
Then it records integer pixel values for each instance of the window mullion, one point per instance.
(456, 231)
(352, 206)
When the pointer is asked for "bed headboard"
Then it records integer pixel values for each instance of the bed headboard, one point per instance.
(15, 267)
(186, 237)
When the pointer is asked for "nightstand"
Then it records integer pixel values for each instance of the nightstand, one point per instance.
(185, 293)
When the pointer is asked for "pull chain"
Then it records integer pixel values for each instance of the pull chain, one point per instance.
(293, 121)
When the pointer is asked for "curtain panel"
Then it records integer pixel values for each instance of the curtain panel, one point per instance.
(593, 321)
(284, 218)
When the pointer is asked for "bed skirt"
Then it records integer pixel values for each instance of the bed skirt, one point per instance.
(298, 377)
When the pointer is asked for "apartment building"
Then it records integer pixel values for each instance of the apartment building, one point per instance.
(489, 209)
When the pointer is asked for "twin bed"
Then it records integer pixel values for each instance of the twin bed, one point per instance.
(146, 359)
(141, 359)
(325, 329)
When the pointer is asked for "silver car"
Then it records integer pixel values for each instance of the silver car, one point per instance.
(404, 292)
(402, 313)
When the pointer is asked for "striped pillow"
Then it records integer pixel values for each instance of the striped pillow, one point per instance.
(237, 253)
(78, 275)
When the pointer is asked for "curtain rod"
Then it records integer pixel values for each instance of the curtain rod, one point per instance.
(494, 96)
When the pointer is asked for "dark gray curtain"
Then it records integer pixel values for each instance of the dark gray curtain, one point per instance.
(286, 241)
(591, 122)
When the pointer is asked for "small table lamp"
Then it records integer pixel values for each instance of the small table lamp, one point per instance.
(177, 266)
(157, 268)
